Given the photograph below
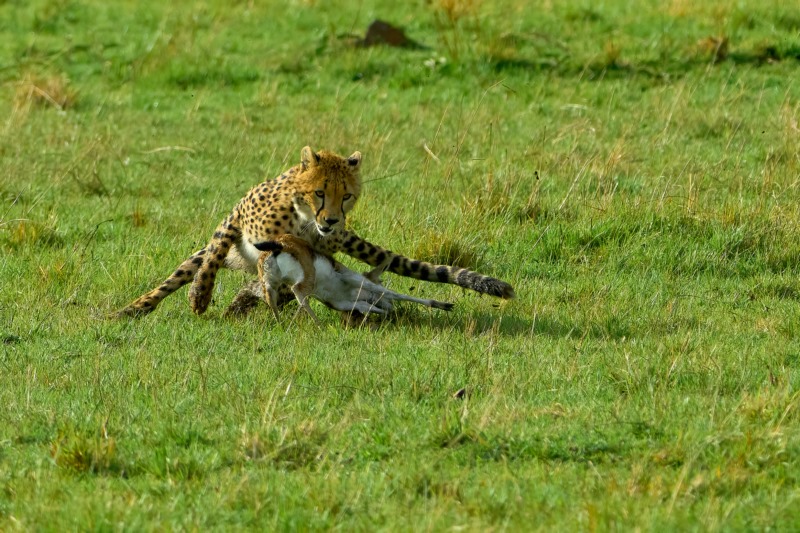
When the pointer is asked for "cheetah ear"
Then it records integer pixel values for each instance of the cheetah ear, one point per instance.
(354, 160)
(308, 157)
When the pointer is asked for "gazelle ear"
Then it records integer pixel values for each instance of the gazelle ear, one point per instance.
(354, 160)
(308, 157)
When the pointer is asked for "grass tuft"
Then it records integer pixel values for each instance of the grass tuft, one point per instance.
(44, 92)
(456, 10)
(22, 234)
(714, 48)
(286, 448)
(87, 454)
(440, 249)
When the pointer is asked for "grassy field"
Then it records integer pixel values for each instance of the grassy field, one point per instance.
(633, 169)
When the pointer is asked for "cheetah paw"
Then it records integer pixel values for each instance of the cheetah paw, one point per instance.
(199, 299)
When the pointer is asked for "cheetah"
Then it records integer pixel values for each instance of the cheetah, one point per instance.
(289, 260)
(310, 201)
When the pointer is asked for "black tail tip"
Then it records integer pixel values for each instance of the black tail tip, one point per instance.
(446, 306)
(508, 292)
(269, 246)
(501, 289)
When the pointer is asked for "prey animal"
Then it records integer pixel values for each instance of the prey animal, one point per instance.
(290, 261)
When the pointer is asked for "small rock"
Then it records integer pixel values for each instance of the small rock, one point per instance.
(381, 32)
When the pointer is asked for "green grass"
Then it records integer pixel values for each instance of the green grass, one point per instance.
(636, 183)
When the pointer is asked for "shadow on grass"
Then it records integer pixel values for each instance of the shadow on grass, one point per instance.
(656, 70)
(613, 328)
(480, 322)
(594, 447)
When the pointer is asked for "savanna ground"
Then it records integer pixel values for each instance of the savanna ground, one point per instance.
(631, 168)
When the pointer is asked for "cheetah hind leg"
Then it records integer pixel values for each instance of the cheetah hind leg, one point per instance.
(217, 250)
(147, 303)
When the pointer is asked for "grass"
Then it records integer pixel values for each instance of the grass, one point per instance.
(631, 168)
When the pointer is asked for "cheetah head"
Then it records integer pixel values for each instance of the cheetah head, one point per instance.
(328, 186)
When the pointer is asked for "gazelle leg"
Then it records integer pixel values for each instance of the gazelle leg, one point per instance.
(374, 275)
(272, 300)
(269, 294)
(302, 299)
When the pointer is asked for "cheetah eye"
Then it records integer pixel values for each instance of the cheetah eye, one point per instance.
(321, 194)
(347, 196)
